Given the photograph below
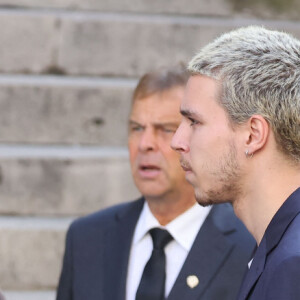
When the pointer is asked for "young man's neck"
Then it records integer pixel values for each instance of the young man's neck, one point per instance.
(268, 192)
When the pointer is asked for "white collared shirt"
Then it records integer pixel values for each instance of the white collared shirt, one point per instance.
(184, 230)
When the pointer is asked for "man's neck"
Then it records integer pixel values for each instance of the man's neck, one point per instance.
(263, 199)
(166, 210)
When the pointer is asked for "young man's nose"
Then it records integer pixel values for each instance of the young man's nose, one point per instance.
(178, 142)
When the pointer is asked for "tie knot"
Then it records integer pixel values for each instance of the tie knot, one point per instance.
(160, 237)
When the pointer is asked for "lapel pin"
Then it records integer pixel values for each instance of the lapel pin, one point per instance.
(192, 281)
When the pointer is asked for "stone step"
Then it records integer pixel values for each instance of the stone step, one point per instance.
(63, 180)
(29, 295)
(201, 7)
(62, 110)
(107, 44)
(31, 251)
(262, 8)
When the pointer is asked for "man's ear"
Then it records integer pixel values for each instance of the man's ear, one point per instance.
(258, 130)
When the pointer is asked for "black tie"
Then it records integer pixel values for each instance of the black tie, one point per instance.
(152, 285)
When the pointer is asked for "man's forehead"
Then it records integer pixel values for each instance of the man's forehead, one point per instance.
(164, 109)
(199, 82)
(200, 92)
(190, 105)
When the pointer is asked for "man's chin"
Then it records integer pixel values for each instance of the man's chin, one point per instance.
(151, 192)
(203, 199)
(211, 199)
(204, 203)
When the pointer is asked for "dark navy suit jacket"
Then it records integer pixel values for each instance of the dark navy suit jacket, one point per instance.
(98, 246)
(275, 270)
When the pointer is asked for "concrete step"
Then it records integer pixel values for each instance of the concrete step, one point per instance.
(107, 44)
(62, 110)
(31, 251)
(29, 295)
(63, 180)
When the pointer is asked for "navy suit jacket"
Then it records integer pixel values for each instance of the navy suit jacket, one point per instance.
(275, 270)
(98, 246)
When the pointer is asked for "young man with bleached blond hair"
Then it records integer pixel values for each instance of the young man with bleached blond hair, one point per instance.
(239, 142)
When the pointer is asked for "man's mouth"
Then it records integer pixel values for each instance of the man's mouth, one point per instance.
(148, 167)
(149, 171)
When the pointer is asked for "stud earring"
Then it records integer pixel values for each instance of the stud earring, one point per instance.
(247, 154)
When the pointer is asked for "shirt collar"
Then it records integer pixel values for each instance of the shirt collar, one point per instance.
(145, 222)
(184, 228)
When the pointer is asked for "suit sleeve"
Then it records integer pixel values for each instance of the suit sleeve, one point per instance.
(285, 281)
(64, 291)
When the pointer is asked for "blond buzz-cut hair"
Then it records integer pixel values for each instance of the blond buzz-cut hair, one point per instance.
(259, 73)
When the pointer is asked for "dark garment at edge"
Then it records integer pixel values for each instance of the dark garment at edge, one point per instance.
(275, 270)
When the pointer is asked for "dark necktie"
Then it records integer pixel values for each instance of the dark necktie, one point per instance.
(152, 285)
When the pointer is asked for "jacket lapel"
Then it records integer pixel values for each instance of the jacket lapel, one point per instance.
(117, 245)
(206, 257)
(273, 234)
(253, 274)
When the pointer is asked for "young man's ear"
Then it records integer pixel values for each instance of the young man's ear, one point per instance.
(258, 132)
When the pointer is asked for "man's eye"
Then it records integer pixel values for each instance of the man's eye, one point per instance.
(136, 128)
(169, 130)
(193, 122)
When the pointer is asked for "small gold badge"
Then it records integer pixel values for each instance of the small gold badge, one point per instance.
(192, 281)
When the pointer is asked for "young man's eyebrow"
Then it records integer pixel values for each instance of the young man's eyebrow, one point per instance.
(190, 114)
(187, 113)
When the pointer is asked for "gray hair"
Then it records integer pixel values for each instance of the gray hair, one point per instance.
(259, 70)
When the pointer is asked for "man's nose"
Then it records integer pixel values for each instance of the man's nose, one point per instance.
(179, 140)
(148, 140)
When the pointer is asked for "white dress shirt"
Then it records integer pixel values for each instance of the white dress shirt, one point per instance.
(183, 229)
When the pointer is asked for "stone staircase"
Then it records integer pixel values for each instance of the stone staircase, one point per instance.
(67, 71)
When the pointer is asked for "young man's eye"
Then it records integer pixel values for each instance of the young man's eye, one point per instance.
(193, 122)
